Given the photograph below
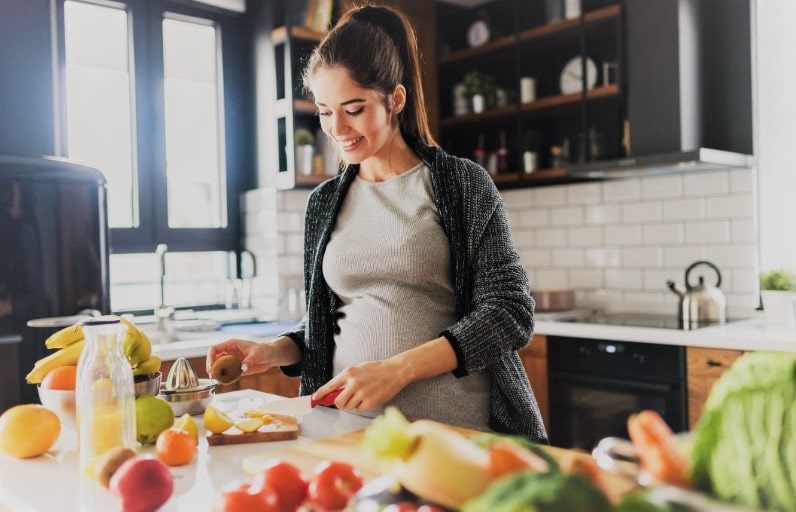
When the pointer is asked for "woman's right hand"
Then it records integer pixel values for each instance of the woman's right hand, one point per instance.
(255, 357)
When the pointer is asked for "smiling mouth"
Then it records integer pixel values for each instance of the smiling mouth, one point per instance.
(350, 143)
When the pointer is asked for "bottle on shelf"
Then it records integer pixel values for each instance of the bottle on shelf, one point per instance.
(479, 155)
(502, 154)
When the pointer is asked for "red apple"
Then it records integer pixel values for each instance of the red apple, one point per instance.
(143, 484)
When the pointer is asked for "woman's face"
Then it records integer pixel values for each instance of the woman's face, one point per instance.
(355, 117)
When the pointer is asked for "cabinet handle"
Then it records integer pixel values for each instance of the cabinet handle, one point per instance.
(713, 363)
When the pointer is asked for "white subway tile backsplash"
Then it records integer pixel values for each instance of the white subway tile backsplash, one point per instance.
(655, 280)
(551, 238)
(621, 190)
(641, 212)
(603, 257)
(517, 199)
(732, 256)
(682, 256)
(568, 258)
(586, 279)
(290, 222)
(662, 234)
(706, 183)
(660, 187)
(535, 218)
(549, 196)
(550, 279)
(730, 207)
(603, 214)
(623, 235)
(684, 209)
(584, 193)
(294, 244)
(744, 281)
(743, 230)
(643, 297)
(642, 257)
(741, 181)
(567, 217)
(535, 257)
(585, 237)
(624, 279)
(707, 232)
(522, 238)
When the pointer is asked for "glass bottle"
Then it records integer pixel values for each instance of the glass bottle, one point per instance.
(105, 392)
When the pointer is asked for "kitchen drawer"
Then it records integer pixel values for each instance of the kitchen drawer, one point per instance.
(704, 367)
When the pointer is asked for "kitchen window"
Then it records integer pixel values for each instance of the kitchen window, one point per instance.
(154, 94)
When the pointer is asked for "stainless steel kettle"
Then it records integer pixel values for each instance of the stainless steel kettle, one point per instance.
(702, 304)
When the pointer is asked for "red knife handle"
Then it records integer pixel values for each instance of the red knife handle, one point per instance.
(328, 399)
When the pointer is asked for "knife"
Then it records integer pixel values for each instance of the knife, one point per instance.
(299, 405)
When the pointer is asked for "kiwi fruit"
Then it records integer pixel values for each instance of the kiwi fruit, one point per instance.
(109, 462)
(226, 369)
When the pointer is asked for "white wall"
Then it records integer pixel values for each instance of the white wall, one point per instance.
(615, 242)
(775, 129)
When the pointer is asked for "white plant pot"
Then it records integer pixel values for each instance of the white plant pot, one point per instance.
(304, 159)
(779, 308)
(478, 103)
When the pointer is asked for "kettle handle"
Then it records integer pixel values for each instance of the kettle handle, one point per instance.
(702, 262)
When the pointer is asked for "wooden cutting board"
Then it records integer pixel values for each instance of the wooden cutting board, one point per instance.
(281, 428)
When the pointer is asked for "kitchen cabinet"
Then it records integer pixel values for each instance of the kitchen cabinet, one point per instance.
(704, 367)
(271, 381)
(534, 359)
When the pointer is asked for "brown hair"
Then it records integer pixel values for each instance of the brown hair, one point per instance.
(378, 47)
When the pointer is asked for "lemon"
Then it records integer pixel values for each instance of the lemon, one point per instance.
(28, 430)
(249, 425)
(152, 416)
(216, 421)
(188, 424)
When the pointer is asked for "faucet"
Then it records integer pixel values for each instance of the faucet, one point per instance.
(163, 313)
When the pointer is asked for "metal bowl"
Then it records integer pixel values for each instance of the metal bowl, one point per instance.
(147, 385)
(192, 400)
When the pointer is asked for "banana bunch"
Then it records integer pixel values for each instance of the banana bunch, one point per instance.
(70, 340)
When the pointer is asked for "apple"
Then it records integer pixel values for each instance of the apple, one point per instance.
(143, 484)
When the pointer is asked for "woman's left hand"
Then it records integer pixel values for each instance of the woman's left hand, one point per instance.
(366, 385)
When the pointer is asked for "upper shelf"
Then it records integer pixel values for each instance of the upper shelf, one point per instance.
(279, 34)
(549, 105)
(536, 34)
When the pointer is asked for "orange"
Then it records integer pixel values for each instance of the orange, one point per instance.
(62, 377)
(175, 447)
(28, 430)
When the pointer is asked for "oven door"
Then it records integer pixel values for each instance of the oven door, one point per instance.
(585, 409)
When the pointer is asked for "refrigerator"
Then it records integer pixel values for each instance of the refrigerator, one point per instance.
(53, 258)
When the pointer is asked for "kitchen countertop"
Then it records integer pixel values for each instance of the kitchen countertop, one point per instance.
(52, 483)
(749, 334)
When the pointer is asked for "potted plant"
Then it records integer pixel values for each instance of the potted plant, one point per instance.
(303, 142)
(778, 291)
(475, 88)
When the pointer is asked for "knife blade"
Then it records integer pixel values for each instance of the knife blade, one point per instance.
(299, 405)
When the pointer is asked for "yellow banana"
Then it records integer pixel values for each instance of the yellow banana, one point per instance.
(64, 357)
(65, 337)
(148, 367)
(136, 346)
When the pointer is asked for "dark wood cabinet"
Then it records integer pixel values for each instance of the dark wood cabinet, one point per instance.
(534, 359)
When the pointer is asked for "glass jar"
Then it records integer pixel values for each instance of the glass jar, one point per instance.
(105, 392)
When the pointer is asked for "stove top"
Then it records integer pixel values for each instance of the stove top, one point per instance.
(654, 320)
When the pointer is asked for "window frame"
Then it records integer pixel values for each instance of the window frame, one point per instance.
(148, 111)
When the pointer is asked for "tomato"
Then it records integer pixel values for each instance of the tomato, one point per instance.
(333, 485)
(404, 506)
(507, 457)
(288, 482)
(248, 499)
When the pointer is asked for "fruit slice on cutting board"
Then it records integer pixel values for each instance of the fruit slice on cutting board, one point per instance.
(216, 421)
(249, 425)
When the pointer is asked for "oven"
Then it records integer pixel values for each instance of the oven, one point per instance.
(595, 385)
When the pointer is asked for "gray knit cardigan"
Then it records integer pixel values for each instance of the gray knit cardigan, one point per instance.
(494, 309)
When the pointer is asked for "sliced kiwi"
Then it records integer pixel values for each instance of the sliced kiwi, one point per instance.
(226, 369)
(109, 462)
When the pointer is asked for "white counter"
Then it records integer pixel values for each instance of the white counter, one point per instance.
(51, 482)
(753, 334)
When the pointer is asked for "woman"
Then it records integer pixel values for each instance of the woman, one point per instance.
(415, 293)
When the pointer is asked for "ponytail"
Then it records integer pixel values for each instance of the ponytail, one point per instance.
(378, 47)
